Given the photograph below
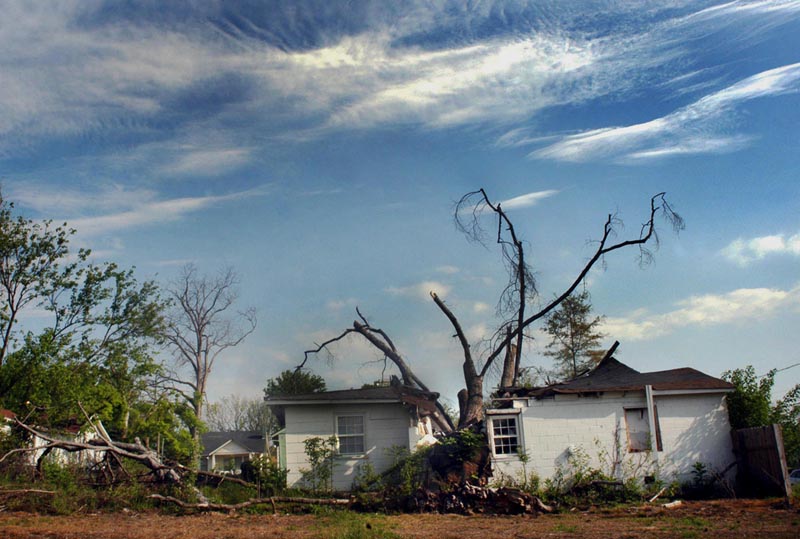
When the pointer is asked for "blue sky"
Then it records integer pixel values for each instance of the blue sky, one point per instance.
(318, 147)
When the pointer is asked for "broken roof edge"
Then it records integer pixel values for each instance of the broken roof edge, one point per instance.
(610, 374)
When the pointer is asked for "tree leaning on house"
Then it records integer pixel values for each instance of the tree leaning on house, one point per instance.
(514, 304)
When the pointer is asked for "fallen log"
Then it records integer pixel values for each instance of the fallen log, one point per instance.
(273, 500)
(15, 492)
(134, 451)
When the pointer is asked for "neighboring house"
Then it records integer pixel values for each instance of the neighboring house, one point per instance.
(624, 421)
(72, 432)
(369, 424)
(226, 451)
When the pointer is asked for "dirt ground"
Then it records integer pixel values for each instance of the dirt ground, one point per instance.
(717, 519)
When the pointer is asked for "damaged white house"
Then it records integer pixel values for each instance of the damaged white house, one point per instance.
(621, 420)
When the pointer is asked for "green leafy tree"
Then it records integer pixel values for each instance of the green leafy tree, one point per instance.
(294, 382)
(786, 412)
(94, 348)
(574, 336)
(750, 405)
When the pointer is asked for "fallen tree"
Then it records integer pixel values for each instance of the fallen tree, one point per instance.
(233, 507)
(513, 306)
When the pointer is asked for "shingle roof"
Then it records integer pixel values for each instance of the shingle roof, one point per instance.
(253, 441)
(385, 394)
(612, 375)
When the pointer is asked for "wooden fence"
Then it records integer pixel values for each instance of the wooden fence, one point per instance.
(762, 461)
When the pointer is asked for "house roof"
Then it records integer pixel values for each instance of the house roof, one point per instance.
(424, 401)
(253, 441)
(392, 393)
(613, 375)
(8, 414)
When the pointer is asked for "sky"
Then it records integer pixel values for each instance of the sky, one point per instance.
(319, 147)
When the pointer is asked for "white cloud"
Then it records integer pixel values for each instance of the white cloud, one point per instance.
(480, 307)
(448, 270)
(420, 291)
(50, 201)
(739, 306)
(339, 304)
(687, 130)
(62, 77)
(743, 252)
(155, 212)
(527, 200)
(209, 162)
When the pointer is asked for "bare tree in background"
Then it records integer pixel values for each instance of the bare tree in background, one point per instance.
(235, 413)
(513, 307)
(202, 325)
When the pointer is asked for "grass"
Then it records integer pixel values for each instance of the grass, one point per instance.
(343, 524)
(565, 528)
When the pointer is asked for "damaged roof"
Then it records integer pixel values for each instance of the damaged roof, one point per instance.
(613, 375)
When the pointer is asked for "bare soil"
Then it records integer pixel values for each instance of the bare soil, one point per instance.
(717, 519)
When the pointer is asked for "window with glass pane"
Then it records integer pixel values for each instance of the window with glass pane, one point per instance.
(350, 431)
(504, 436)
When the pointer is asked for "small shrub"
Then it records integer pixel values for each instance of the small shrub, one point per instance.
(321, 453)
(264, 472)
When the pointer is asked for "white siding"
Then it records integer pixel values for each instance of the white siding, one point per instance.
(385, 425)
(694, 428)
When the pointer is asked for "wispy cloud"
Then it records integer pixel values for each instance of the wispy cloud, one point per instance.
(339, 304)
(68, 71)
(448, 270)
(527, 200)
(746, 251)
(156, 212)
(66, 202)
(690, 129)
(207, 162)
(420, 291)
(739, 306)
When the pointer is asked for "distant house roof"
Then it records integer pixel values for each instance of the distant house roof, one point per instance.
(613, 375)
(253, 441)
(8, 414)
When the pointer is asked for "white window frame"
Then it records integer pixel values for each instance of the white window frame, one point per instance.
(362, 434)
(520, 446)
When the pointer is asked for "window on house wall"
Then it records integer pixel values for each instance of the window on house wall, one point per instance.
(505, 438)
(350, 431)
(637, 423)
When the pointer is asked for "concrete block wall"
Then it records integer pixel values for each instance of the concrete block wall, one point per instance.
(693, 428)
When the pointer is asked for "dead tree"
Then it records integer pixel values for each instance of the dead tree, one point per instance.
(201, 327)
(514, 301)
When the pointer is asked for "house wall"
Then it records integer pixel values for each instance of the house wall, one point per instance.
(385, 426)
(694, 428)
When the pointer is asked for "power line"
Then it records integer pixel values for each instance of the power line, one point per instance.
(781, 369)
